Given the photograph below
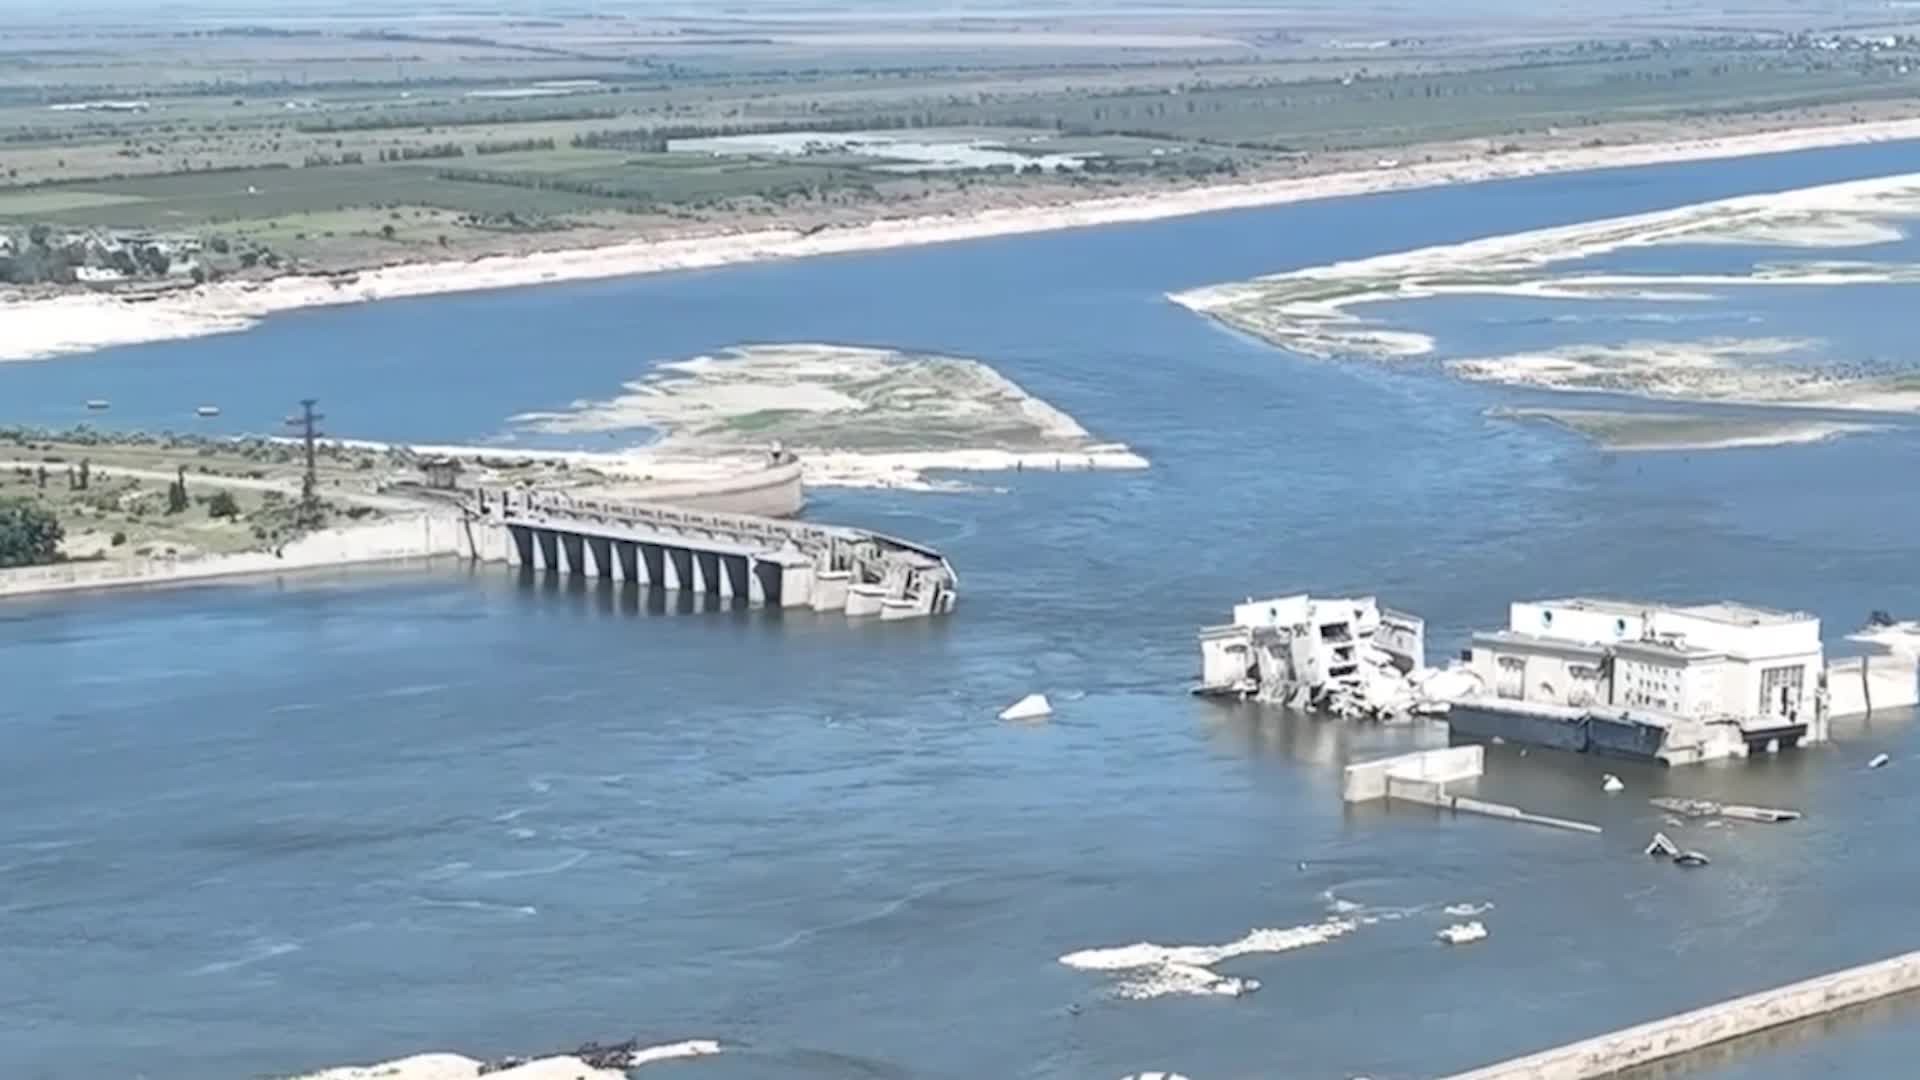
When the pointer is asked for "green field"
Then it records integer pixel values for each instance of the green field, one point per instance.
(40, 204)
(366, 126)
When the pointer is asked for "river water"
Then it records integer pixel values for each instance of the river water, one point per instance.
(263, 827)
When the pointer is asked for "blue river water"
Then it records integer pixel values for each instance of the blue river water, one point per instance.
(263, 827)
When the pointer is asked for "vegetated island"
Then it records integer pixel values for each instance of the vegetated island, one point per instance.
(491, 151)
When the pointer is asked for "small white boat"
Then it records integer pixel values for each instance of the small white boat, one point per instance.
(97, 404)
(207, 410)
(1464, 933)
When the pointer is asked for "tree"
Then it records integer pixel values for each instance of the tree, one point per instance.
(177, 500)
(222, 505)
(29, 535)
(386, 231)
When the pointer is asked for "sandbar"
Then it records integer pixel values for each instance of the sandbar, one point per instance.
(1672, 431)
(857, 416)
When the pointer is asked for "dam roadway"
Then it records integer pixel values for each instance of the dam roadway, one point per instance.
(769, 561)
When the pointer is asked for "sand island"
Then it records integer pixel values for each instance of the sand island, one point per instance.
(1318, 311)
(857, 416)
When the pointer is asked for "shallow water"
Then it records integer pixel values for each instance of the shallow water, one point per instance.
(270, 826)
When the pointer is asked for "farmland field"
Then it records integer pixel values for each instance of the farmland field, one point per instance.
(475, 133)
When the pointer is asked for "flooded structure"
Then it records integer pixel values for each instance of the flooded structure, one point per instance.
(1344, 655)
(1669, 683)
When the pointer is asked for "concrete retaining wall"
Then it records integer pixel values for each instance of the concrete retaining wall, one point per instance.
(413, 537)
(1864, 684)
(1690, 1031)
(1367, 780)
(774, 491)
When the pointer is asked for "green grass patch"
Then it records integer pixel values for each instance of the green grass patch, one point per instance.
(41, 201)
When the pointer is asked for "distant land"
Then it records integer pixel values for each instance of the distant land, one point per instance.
(140, 153)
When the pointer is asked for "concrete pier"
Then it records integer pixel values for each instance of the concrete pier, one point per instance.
(1687, 1032)
(758, 560)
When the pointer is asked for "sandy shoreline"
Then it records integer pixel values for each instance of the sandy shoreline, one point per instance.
(40, 327)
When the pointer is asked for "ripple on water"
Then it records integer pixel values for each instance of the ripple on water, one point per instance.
(260, 953)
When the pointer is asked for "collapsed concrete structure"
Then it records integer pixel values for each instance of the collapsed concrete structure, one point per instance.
(1434, 778)
(1347, 656)
(1675, 684)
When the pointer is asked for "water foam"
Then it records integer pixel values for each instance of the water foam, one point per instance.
(1162, 970)
(259, 954)
(671, 1051)
(557, 1067)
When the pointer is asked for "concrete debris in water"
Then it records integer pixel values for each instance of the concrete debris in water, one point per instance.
(1031, 707)
(1690, 859)
(1611, 783)
(1661, 847)
(1878, 761)
(1465, 933)
(1346, 657)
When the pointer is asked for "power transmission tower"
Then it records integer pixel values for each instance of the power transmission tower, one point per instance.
(307, 423)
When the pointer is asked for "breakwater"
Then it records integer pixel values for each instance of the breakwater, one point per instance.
(1684, 1033)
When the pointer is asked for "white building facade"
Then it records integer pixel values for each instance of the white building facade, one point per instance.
(1723, 662)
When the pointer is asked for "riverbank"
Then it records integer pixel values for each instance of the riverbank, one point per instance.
(40, 326)
(418, 536)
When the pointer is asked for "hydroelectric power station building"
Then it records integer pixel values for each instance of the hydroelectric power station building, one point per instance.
(1676, 684)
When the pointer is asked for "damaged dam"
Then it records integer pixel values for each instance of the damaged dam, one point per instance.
(759, 560)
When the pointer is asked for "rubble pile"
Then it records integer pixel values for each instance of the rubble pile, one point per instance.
(1345, 657)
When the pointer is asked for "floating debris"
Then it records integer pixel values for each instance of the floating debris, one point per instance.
(1707, 808)
(97, 404)
(1662, 847)
(1031, 707)
(1690, 859)
(207, 410)
(1466, 911)
(1464, 933)
(1611, 784)
(1151, 971)
(1878, 761)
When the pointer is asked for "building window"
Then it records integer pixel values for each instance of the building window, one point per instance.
(1780, 690)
